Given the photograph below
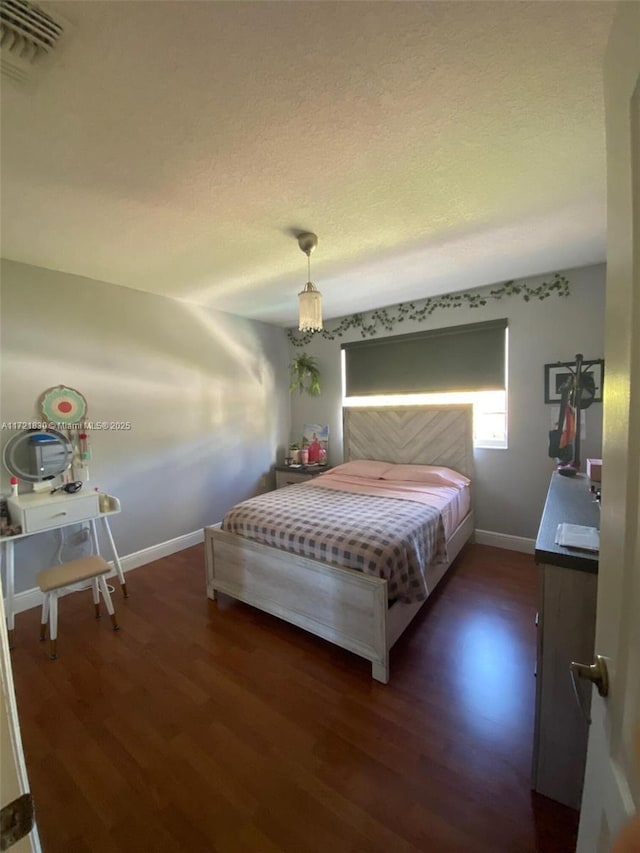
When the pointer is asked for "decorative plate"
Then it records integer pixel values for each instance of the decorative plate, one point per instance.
(62, 405)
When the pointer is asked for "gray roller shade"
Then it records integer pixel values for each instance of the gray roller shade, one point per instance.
(458, 358)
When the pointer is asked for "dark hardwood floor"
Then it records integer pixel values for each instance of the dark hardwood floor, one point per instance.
(205, 726)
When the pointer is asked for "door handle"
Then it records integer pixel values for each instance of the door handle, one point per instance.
(597, 673)
(16, 820)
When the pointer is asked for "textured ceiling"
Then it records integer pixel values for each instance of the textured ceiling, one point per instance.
(177, 147)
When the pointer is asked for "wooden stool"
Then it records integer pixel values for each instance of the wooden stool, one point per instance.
(52, 581)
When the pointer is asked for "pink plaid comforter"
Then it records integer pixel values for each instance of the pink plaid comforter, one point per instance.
(391, 538)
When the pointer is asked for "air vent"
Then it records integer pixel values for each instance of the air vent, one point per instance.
(28, 37)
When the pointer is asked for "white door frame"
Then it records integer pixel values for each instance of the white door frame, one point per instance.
(13, 770)
(612, 782)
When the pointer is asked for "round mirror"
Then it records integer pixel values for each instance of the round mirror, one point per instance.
(34, 455)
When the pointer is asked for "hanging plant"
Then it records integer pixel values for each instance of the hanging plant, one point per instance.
(305, 375)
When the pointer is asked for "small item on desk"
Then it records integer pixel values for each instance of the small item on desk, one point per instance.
(69, 488)
(594, 470)
(104, 501)
(6, 528)
(4, 516)
(42, 486)
(14, 487)
(569, 470)
(578, 536)
(85, 455)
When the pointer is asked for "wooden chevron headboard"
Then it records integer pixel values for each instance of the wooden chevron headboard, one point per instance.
(428, 435)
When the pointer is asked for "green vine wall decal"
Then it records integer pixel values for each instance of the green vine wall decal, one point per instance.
(387, 318)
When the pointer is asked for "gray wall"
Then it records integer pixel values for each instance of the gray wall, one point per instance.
(206, 394)
(510, 485)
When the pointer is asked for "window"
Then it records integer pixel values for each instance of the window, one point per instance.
(461, 364)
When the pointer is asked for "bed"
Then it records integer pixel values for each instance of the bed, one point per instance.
(348, 606)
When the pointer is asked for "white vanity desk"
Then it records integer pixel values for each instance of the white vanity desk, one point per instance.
(36, 513)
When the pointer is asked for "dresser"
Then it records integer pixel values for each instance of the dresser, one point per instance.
(567, 593)
(287, 476)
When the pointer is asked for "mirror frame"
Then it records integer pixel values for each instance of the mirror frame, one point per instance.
(9, 452)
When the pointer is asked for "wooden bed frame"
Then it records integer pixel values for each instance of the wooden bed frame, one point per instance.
(345, 606)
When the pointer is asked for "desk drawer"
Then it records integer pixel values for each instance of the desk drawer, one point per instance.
(54, 514)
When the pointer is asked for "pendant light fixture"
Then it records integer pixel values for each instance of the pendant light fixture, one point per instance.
(310, 298)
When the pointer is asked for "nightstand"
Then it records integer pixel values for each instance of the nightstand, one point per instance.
(287, 476)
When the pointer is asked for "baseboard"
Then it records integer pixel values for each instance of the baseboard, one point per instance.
(162, 549)
(33, 597)
(503, 540)
(26, 600)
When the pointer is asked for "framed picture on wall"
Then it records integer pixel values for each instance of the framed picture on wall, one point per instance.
(555, 375)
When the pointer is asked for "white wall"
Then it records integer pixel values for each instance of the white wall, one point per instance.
(510, 485)
(206, 394)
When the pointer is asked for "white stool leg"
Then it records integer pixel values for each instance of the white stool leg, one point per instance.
(45, 616)
(96, 596)
(116, 558)
(53, 623)
(107, 600)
